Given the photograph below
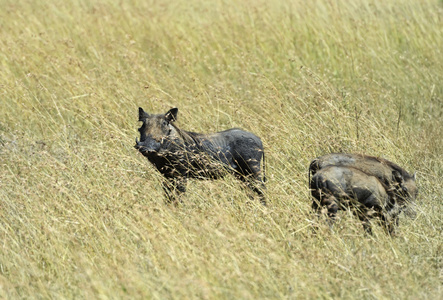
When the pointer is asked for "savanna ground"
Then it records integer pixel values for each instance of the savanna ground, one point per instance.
(82, 213)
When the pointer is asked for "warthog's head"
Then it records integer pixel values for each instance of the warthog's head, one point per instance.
(154, 130)
(407, 192)
(408, 187)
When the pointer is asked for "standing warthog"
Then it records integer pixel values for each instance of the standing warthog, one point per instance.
(338, 187)
(180, 155)
(399, 184)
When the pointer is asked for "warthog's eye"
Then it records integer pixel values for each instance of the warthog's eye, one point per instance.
(166, 127)
(405, 189)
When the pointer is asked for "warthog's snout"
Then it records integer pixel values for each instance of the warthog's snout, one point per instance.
(148, 146)
(140, 147)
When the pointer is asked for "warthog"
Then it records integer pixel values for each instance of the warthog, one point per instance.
(338, 187)
(399, 184)
(180, 155)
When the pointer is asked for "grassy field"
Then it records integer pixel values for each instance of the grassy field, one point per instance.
(82, 213)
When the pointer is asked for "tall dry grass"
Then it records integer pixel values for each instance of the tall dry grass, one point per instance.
(82, 213)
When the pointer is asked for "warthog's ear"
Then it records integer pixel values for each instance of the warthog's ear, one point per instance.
(397, 176)
(414, 176)
(142, 115)
(171, 115)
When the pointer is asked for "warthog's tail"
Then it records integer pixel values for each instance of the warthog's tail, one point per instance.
(313, 168)
(264, 168)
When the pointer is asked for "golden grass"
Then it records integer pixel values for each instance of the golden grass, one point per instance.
(82, 213)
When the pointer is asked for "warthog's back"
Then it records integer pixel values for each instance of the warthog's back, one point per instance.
(350, 183)
(368, 164)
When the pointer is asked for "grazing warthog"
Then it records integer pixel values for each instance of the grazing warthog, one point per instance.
(180, 155)
(338, 187)
(399, 184)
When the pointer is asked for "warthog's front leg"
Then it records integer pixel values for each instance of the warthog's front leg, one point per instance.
(173, 188)
(390, 219)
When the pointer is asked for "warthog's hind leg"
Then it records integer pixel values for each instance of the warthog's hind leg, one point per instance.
(250, 172)
(324, 204)
(254, 184)
(330, 202)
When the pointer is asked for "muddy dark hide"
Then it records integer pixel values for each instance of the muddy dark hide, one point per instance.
(337, 188)
(180, 155)
(399, 184)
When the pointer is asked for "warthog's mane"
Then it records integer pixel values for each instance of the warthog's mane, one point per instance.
(194, 139)
(392, 165)
(188, 137)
